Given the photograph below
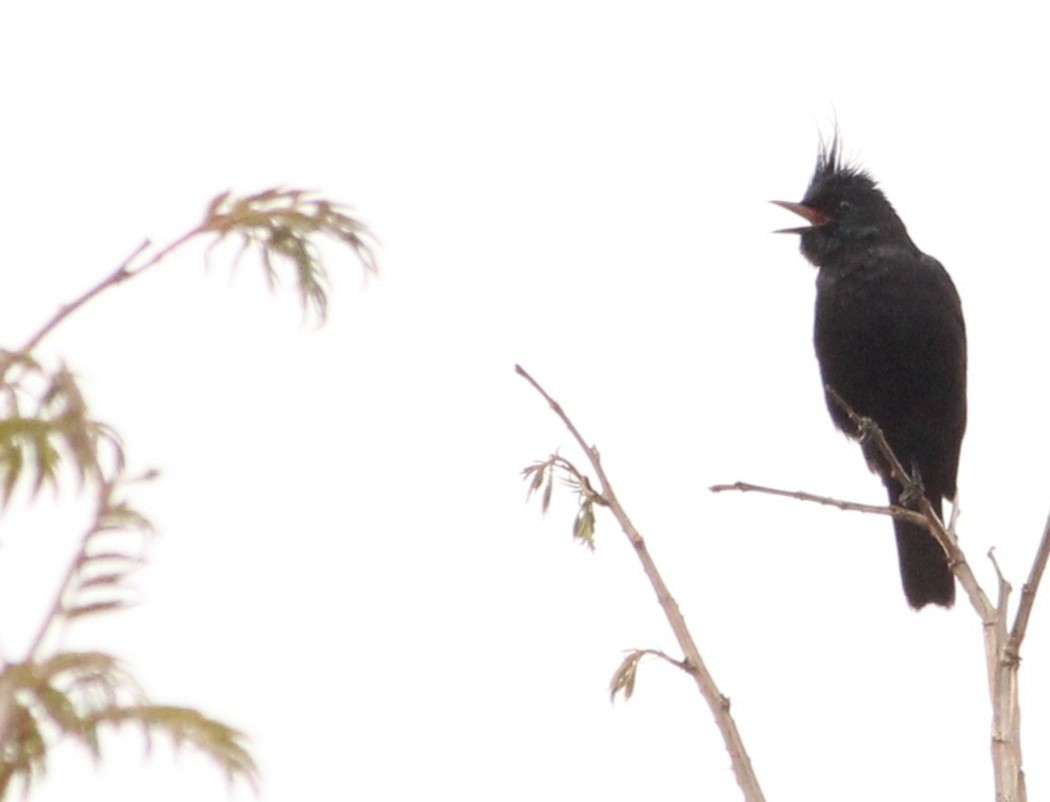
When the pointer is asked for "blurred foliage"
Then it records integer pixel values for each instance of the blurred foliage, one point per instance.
(45, 425)
(48, 437)
(283, 225)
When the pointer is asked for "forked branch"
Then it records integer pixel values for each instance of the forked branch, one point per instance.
(1002, 646)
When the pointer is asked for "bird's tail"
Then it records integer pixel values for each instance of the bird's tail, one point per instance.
(925, 573)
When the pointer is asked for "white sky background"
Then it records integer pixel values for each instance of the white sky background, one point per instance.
(346, 568)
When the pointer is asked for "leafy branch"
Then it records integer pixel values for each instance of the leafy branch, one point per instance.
(627, 672)
(624, 679)
(46, 432)
(56, 694)
(281, 224)
(45, 424)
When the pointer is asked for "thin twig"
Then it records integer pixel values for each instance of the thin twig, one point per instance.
(801, 495)
(1004, 586)
(1031, 586)
(118, 276)
(682, 664)
(716, 702)
(55, 613)
(591, 453)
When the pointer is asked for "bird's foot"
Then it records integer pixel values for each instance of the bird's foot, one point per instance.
(867, 436)
(913, 491)
(866, 428)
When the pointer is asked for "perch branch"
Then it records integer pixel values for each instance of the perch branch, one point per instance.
(1002, 648)
(801, 495)
(949, 542)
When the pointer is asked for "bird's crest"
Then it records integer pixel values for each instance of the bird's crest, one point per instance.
(830, 163)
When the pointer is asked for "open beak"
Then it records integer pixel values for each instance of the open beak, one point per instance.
(815, 218)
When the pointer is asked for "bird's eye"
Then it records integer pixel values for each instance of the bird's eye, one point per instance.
(845, 205)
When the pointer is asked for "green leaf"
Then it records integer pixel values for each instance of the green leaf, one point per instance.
(185, 726)
(537, 472)
(103, 580)
(81, 664)
(583, 526)
(624, 677)
(11, 464)
(25, 755)
(93, 608)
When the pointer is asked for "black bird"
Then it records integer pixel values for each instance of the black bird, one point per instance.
(891, 341)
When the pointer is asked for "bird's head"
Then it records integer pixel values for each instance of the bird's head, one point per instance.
(845, 210)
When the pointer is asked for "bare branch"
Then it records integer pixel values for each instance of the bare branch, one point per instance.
(592, 454)
(801, 495)
(716, 702)
(124, 272)
(1031, 587)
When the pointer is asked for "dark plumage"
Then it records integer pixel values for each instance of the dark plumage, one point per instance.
(891, 341)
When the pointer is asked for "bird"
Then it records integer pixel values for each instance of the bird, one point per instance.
(891, 342)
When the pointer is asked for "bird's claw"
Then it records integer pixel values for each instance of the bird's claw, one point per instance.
(913, 491)
(866, 429)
